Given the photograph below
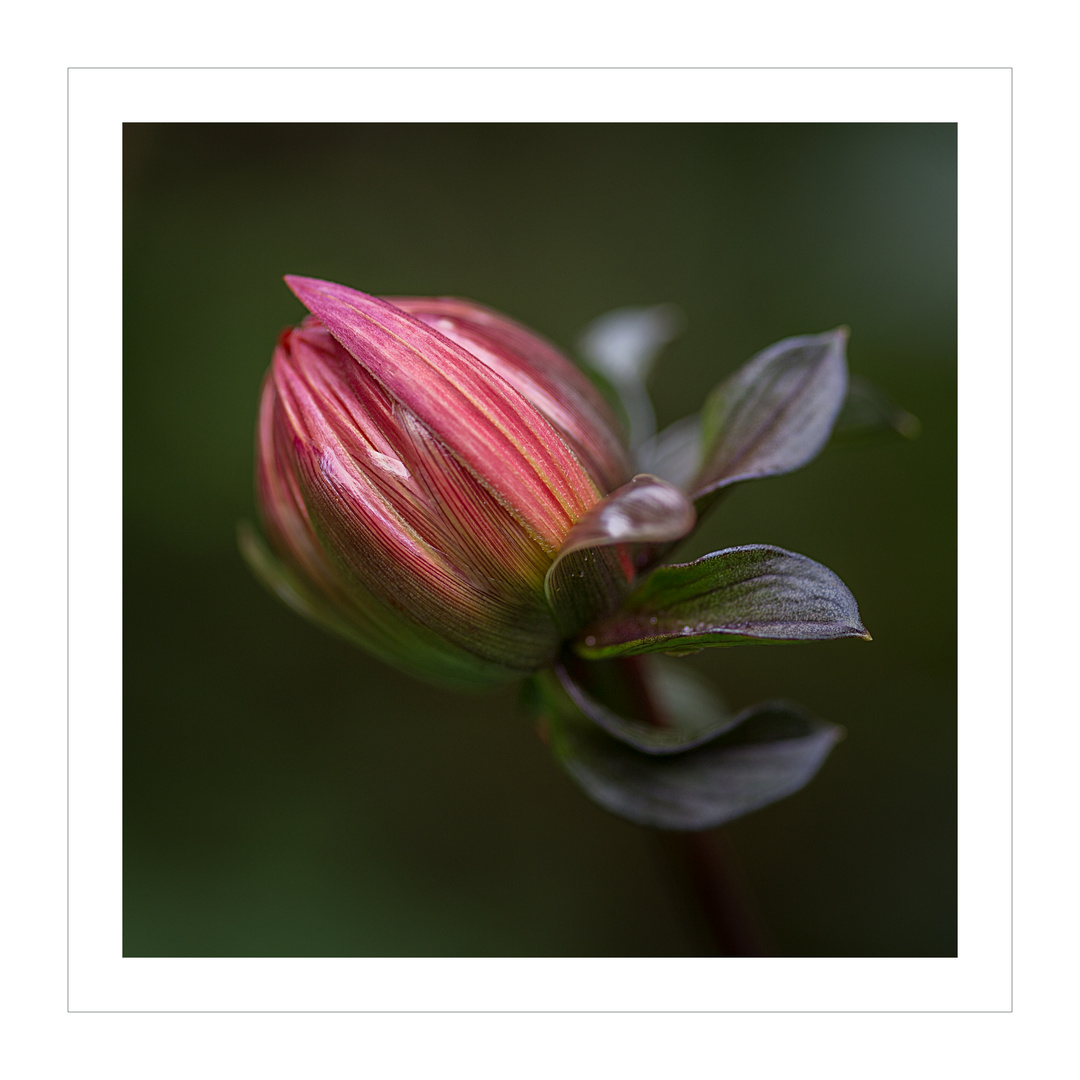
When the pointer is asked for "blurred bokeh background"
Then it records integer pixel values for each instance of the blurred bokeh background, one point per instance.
(284, 795)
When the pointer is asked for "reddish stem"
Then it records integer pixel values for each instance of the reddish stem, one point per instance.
(708, 860)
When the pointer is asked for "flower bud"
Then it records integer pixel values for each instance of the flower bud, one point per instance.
(419, 465)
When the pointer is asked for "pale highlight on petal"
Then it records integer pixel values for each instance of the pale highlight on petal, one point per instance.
(598, 564)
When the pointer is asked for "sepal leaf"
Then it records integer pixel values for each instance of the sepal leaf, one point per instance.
(756, 593)
(361, 619)
(769, 752)
(774, 414)
(868, 414)
(596, 565)
(674, 453)
(693, 712)
(622, 346)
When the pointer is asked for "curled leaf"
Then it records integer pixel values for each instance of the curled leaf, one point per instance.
(769, 752)
(597, 562)
(693, 712)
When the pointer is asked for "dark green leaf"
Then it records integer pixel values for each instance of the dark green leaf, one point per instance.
(756, 593)
(774, 414)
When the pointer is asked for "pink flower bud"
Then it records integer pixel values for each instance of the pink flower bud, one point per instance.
(419, 466)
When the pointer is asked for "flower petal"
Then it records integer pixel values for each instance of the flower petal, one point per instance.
(539, 372)
(367, 622)
(371, 513)
(500, 437)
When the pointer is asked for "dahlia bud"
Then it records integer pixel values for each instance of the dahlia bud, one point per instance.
(434, 484)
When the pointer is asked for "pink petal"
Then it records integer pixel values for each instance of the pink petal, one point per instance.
(489, 426)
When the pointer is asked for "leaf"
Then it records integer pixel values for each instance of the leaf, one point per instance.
(694, 712)
(771, 751)
(744, 594)
(868, 414)
(674, 454)
(774, 414)
(596, 565)
(623, 346)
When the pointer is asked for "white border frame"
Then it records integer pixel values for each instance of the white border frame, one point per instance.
(100, 978)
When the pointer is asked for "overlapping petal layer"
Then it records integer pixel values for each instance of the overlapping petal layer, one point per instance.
(417, 481)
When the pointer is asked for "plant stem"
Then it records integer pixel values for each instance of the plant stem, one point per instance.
(707, 860)
(710, 865)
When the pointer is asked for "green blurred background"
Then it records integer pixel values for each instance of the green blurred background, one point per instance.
(286, 796)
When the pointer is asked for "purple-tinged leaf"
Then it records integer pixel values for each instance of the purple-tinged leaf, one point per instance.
(769, 752)
(647, 510)
(774, 414)
(755, 593)
(674, 454)
(693, 712)
(622, 346)
(597, 563)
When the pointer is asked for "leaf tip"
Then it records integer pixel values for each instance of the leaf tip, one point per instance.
(909, 426)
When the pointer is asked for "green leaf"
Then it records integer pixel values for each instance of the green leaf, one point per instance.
(756, 593)
(597, 563)
(769, 752)
(693, 711)
(868, 414)
(774, 414)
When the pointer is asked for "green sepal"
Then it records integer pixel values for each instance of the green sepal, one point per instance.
(599, 560)
(373, 626)
(756, 593)
(692, 710)
(769, 752)
(774, 414)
